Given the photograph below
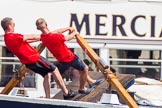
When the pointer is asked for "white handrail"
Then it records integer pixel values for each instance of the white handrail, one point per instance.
(135, 66)
(138, 60)
(13, 63)
(9, 58)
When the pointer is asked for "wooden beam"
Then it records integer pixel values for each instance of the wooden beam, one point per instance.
(109, 76)
(20, 74)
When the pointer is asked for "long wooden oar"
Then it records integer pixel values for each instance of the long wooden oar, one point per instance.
(20, 74)
(108, 74)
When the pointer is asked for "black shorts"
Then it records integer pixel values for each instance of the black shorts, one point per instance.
(77, 63)
(42, 66)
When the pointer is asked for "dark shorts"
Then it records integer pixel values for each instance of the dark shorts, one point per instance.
(77, 63)
(42, 66)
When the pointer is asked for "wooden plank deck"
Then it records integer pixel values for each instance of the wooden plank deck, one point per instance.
(96, 94)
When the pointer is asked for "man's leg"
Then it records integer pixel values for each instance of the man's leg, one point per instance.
(67, 93)
(83, 79)
(89, 79)
(46, 84)
(92, 83)
(59, 81)
(75, 75)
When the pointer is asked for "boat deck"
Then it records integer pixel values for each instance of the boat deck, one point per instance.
(96, 94)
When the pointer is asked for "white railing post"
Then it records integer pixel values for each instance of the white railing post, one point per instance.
(161, 65)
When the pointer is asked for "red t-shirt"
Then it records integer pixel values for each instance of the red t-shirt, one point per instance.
(55, 44)
(26, 54)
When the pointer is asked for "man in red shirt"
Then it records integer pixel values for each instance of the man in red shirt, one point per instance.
(19, 46)
(54, 41)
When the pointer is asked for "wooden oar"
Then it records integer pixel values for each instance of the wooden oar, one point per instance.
(108, 74)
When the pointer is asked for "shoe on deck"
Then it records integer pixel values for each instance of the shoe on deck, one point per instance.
(87, 91)
(70, 95)
(92, 85)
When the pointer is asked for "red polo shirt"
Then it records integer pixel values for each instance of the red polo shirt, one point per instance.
(26, 54)
(55, 44)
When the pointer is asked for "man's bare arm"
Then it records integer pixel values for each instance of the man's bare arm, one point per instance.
(31, 38)
(71, 35)
(62, 30)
